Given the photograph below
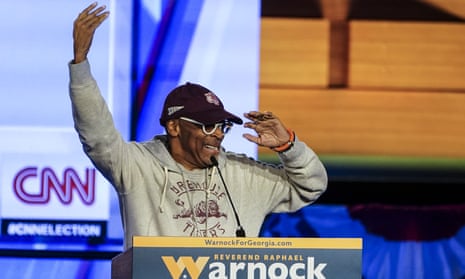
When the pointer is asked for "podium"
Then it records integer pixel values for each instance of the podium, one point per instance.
(197, 258)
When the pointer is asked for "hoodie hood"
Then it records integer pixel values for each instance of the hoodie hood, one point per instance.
(158, 147)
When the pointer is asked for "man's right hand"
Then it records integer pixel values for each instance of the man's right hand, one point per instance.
(84, 28)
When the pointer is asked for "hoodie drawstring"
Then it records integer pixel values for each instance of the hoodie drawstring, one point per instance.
(165, 186)
(207, 194)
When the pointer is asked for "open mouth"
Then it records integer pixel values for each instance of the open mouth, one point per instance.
(211, 147)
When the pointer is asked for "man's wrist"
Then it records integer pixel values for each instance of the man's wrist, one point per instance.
(288, 145)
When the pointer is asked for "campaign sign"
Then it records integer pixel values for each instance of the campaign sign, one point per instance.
(293, 258)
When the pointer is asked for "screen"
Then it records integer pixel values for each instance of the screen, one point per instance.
(51, 195)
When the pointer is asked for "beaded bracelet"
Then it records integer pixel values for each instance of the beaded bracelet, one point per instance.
(288, 144)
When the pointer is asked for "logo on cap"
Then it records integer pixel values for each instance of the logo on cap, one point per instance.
(172, 110)
(212, 99)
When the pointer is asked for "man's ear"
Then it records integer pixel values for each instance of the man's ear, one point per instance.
(172, 127)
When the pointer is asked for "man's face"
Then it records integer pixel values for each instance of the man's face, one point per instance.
(195, 148)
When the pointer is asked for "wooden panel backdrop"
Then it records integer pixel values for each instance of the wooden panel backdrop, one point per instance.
(405, 93)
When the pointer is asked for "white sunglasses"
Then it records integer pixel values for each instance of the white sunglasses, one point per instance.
(224, 127)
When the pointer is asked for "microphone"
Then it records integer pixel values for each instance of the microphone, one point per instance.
(240, 231)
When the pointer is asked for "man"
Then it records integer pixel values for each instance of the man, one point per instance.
(177, 184)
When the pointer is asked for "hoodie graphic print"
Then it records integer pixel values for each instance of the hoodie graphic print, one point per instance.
(200, 208)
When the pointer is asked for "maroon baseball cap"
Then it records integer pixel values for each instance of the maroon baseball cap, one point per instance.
(195, 102)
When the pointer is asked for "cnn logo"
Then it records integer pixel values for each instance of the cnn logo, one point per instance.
(47, 182)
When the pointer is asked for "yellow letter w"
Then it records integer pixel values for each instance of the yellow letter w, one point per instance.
(193, 268)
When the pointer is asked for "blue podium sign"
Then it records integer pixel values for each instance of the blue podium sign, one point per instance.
(233, 258)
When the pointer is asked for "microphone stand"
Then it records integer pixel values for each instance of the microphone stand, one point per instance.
(240, 231)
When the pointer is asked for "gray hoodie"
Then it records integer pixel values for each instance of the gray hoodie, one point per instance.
(159, 197)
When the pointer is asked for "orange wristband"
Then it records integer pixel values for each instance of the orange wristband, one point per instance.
(287, 145)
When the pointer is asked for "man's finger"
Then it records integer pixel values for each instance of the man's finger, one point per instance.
(96, 20)
(88, 14)
(88, 9)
